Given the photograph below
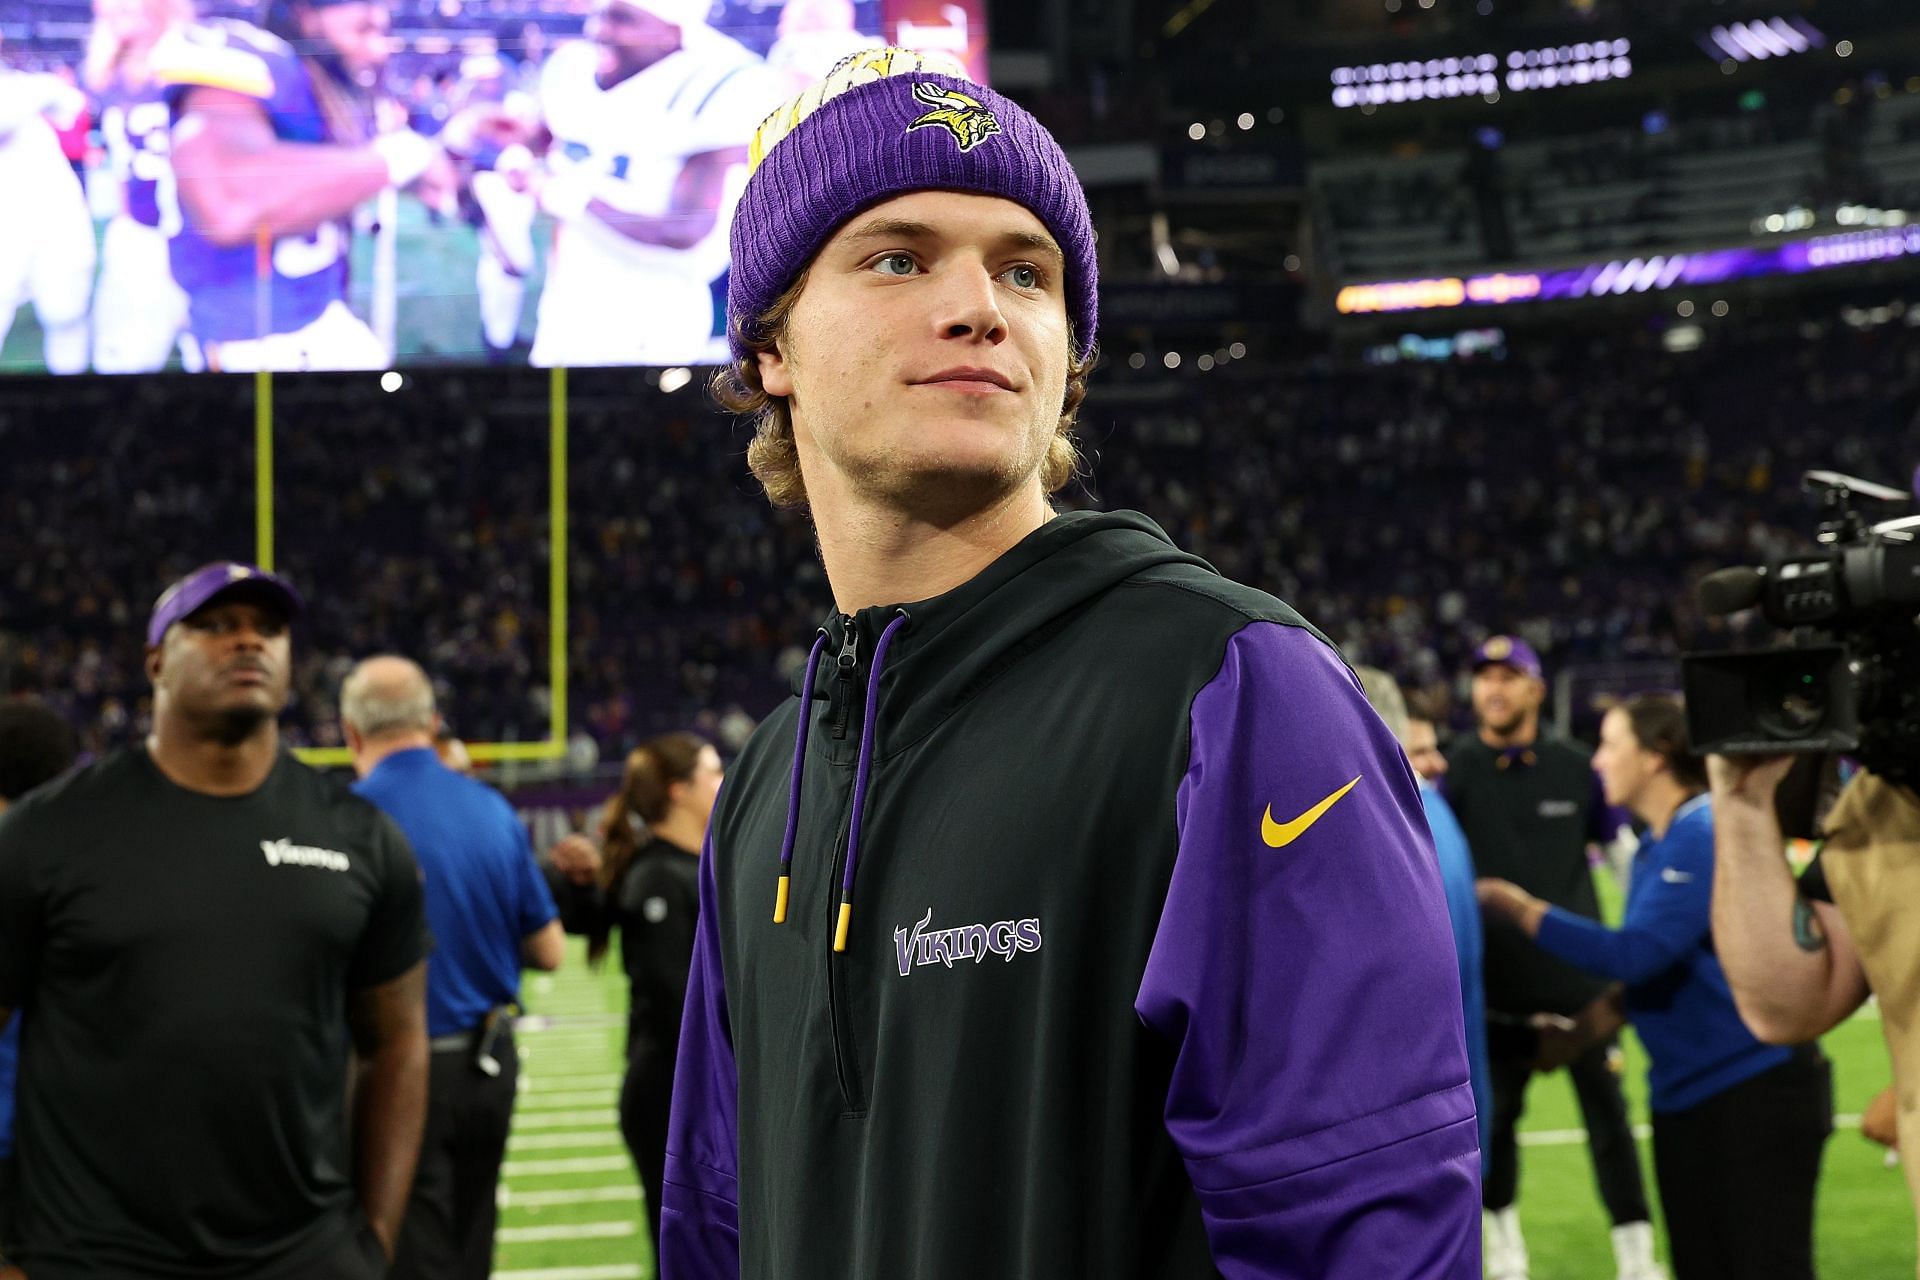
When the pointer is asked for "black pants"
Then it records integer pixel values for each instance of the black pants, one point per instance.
(1603, 1109)
(1738, 1172)
(448, 1232)
(645, 1096)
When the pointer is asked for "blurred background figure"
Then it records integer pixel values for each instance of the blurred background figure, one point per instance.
(1417, 736)
(46, 232)
(1738, 1126)
(36, 746)
(491, 914)
(645, 888)
(1531, 809)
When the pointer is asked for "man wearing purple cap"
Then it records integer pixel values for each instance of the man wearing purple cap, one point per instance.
(1531, 807)
(1077, 918)
(192, 931)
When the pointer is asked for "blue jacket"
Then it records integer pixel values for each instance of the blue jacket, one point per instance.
(1677, 994)
(1463, 908)
(484, 891)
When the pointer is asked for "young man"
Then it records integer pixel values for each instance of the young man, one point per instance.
(491, 913)
(274, 146)
(1531, 807)
(192, 930)
(1078, 918)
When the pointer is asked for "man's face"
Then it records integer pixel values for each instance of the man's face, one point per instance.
(357, 35)
(629, 38)
(925, 361)
(1503, 698)
(226, 666)
(1423, 750)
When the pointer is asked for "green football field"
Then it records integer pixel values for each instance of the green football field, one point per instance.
(572, 1208)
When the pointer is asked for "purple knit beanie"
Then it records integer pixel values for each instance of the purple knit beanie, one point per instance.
(883, 123)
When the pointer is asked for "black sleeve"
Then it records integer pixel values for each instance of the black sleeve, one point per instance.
(396, 938)
(21, 917)
(582, 907)
(657, 911)
(1813, 882)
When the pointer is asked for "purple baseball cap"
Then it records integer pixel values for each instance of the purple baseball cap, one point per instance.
(214, 581)
(1510, 651)
(886, 122)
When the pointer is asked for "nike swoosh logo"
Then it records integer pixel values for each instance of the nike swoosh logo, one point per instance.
(1279, 835)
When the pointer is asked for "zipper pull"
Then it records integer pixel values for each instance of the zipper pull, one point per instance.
(847, 662)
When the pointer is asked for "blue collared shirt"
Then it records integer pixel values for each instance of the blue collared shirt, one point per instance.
(484, 891)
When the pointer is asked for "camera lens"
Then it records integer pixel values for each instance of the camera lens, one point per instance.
(1794, 706)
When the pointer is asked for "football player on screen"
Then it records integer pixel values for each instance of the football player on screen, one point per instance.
(46, 232)
(646, 125)
(275, 143)
(139, 312)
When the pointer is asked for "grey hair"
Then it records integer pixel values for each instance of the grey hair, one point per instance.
(1388, 702)
(387, 694)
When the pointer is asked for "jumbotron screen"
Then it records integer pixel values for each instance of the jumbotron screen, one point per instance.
(327, 185)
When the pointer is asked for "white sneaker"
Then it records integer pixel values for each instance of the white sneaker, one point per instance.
(1633, 1253)
(1501, 1245)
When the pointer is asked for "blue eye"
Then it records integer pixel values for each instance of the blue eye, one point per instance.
(896, 264)
(1024, 276)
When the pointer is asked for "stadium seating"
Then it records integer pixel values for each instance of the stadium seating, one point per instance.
(1569, 493)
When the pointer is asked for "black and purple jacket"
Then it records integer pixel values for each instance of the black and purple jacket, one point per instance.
(1142, 970)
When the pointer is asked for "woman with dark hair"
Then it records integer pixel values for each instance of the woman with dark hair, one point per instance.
(647, 890)
(1738, 1125)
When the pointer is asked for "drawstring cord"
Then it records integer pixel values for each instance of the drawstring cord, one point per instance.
(861, 775)
(793, 792)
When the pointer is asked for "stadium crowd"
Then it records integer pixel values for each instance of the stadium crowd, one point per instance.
(1565, 495)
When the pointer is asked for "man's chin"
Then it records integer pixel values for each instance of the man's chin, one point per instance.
(240, 720)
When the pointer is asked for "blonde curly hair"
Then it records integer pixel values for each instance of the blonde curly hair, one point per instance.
(773, 457)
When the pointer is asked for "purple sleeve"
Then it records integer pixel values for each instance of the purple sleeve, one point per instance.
(700, 1207)
(1304, 971)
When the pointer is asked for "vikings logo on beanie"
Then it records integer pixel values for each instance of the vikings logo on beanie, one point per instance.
(885, 122)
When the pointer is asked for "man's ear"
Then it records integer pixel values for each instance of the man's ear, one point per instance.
(153, 662)
(775, 378)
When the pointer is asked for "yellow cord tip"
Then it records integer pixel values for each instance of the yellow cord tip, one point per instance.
(840, 930)
(780, 901)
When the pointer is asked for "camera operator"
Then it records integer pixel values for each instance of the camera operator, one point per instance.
(1801, 957)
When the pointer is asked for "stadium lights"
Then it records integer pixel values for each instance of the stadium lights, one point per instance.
(1619, 278)
(1478, 75)
(671, 380)
(1761, 39)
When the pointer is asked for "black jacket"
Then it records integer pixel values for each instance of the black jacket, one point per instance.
(1146, 970)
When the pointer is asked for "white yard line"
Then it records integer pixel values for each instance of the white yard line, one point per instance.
(536, 1118)
(621, 1271)
(536, 1100)
(1578, 1137)
(575, 1164)
(567, 1231)
(562, 1141)
(538, 1079)
(510, 1199)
